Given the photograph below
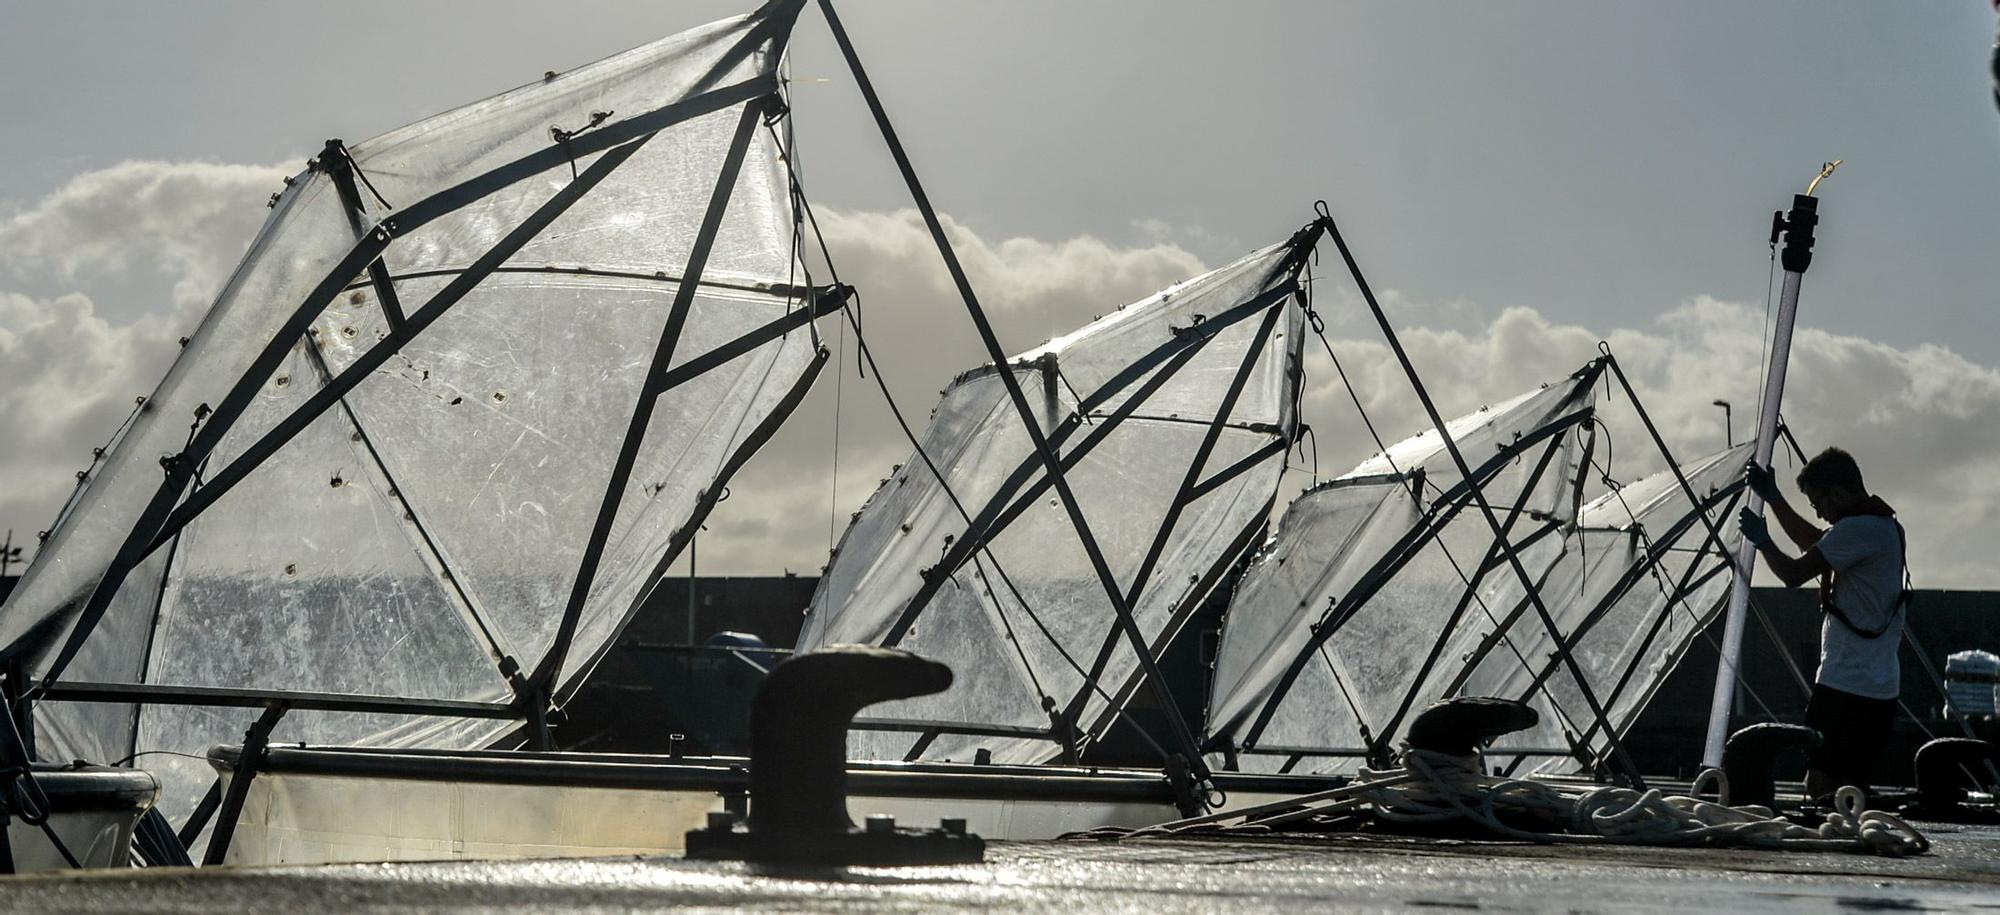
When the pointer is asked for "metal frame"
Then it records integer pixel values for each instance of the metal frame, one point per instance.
(1181, 500)
(1003, 507)
(1490, 561)
(1050, 460)
(1436, 517)
(1009, 502)
(1660, 550)
(1478, 495)
(163, 519)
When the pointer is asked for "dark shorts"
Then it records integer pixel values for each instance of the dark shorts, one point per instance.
(1854, 729)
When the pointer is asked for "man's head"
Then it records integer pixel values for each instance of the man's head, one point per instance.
(1831, 482)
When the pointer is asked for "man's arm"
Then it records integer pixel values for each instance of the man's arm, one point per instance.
(1793, 571)
(1790, 570)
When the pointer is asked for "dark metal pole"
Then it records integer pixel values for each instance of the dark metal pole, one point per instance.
(1178, 504)
(1026, 411)
(339, 167)
(254, 742)
(1479, 496)
(550, 666)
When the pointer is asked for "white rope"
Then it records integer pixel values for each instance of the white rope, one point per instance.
(1432, 787)
(1454, 787)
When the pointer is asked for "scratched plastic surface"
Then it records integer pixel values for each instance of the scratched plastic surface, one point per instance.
(1963, 874)
(434, 521)
(1024, 619)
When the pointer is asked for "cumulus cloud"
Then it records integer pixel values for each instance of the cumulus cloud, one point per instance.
(97, 283)
(151, 234)
(796, 496)
(1921, 421)
(85, 326)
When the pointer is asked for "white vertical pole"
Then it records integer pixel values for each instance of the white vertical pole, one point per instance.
(1797, 227)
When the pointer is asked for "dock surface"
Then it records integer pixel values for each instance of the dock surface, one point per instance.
(1348, 874)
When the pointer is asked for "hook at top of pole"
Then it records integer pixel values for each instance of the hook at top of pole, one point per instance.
(1825, 170)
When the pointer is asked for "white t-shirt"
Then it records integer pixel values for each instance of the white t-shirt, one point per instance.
(1868, 555)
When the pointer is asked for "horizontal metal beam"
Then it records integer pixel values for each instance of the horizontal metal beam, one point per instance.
(918, 726)
(780, 290)
(227, 697)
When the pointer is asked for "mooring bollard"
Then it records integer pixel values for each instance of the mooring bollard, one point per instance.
(1750, 759)
(798, 768)
(1948, 768)
(1467, 723)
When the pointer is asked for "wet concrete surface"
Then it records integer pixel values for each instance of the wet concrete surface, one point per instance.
(1314, 874)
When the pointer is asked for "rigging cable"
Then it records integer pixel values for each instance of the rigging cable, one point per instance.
(1681, 601)
(865, 356)
(1416, 492)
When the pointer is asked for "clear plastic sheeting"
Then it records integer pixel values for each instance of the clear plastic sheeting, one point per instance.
(1636, 583)
(1381, 558)
(432, 522)
(1025, 617)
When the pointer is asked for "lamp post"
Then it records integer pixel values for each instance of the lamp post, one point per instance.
(1728, 437)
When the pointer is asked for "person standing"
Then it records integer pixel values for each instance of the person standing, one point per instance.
(1860, 561)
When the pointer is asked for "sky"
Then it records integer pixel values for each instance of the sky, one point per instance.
(1519, 180)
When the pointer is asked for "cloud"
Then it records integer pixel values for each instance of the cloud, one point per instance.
(1923, 421)
(84, 327)
(916, 325)
(137, 228)
(83, 330)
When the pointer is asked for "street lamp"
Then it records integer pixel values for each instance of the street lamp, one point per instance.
(1728, 438)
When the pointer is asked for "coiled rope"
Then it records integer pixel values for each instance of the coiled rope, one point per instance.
(1431, 787)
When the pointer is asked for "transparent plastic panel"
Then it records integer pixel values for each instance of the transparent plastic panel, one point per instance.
(1061, 618)
(1289, 589)
(643, 218)
(1631, 639)
(696, 430)
(1139, 477)
(314, 573)
(101, 732)
(503, 423)
(301, 578)
(304, 238)
(1356, 681)
(1093, 356)
(412, 162)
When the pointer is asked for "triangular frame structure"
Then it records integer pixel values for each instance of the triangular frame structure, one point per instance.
(39, 651)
